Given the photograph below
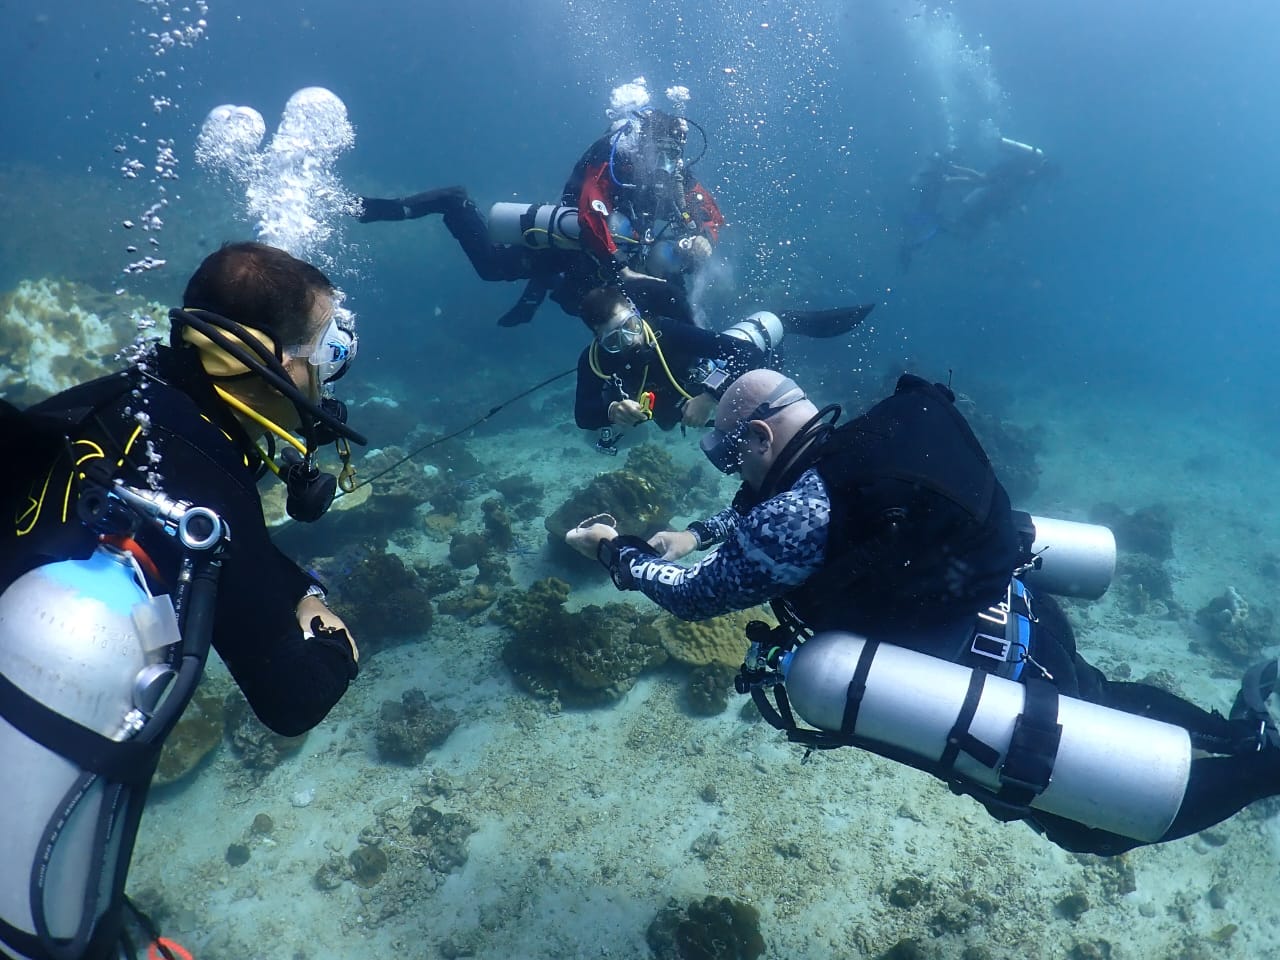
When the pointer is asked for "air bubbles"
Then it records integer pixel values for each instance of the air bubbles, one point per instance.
(173, 26)
(289, 186)
(144, 265)
(228, 136)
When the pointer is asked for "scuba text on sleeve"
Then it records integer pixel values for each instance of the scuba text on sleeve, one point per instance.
(1014, 745)
(94, 673)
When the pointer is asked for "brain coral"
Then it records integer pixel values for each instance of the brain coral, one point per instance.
(720, 640)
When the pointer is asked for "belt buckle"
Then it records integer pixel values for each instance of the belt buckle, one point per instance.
(992, 647)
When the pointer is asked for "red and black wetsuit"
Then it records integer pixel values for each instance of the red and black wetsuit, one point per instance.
(595, 190)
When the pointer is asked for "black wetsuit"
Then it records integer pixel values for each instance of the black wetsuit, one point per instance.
(205, 458)
(683, 346)
(851, 517)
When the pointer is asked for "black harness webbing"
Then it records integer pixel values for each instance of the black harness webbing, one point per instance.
(128, 762)
(858, 687)
(959, 738)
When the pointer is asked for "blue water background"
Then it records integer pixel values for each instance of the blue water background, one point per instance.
(1148, 266)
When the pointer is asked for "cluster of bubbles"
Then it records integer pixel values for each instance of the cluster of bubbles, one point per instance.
(626, 102)
(172, 26)
(970, 98)
(289, 188)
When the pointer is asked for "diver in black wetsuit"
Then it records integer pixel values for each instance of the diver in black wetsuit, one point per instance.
(652, 367)
(960, 201)
(189, 417)
(676, 370)
(133, 542)
(894, 527)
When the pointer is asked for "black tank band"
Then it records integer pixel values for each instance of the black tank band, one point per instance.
(125, 762)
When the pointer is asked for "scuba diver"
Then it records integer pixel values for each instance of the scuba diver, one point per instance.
(639, 368)
(917, 620)
(134, 540)
(961, 201)
(632, 214)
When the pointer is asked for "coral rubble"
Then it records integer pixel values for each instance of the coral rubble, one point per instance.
(407, 728)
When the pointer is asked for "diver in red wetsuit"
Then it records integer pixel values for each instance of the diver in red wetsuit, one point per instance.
(643, 222)
(640, 206)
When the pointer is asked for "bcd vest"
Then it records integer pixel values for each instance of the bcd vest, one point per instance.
(921, 532)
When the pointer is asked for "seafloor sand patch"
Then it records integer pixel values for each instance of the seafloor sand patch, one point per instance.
(586, 822)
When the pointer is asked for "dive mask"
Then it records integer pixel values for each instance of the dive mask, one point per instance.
(629, 333)
(668, 155)
(336, 347)
(723, 448)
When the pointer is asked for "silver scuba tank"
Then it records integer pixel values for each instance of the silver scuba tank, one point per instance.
(1113, 771)
(762, 328)
(533, 225)
(1076, 559)
(85, 639)
(548, 225)
(1017, 146)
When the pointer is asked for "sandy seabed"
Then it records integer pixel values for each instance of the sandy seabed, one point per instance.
(587, 822)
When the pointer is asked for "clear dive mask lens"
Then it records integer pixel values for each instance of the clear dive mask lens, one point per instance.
(668, 155)
(336, 347)
(723, 448)
(626, 335)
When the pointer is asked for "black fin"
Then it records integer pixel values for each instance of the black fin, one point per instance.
(824, 323)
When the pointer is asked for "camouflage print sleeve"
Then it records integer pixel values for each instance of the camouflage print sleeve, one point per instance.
(777, 545)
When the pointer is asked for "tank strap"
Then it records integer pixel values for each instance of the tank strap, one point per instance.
(857, 687)
(527, 221)
(127, 762)
(780, 718)
(1033, 748)
(959, 738)
(1029, 761)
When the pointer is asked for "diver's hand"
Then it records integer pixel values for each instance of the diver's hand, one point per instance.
(695, 250)
(626, 413)
(674, 544)
(626, 273)
(586, 540)
(316, 618)
(699, 410)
